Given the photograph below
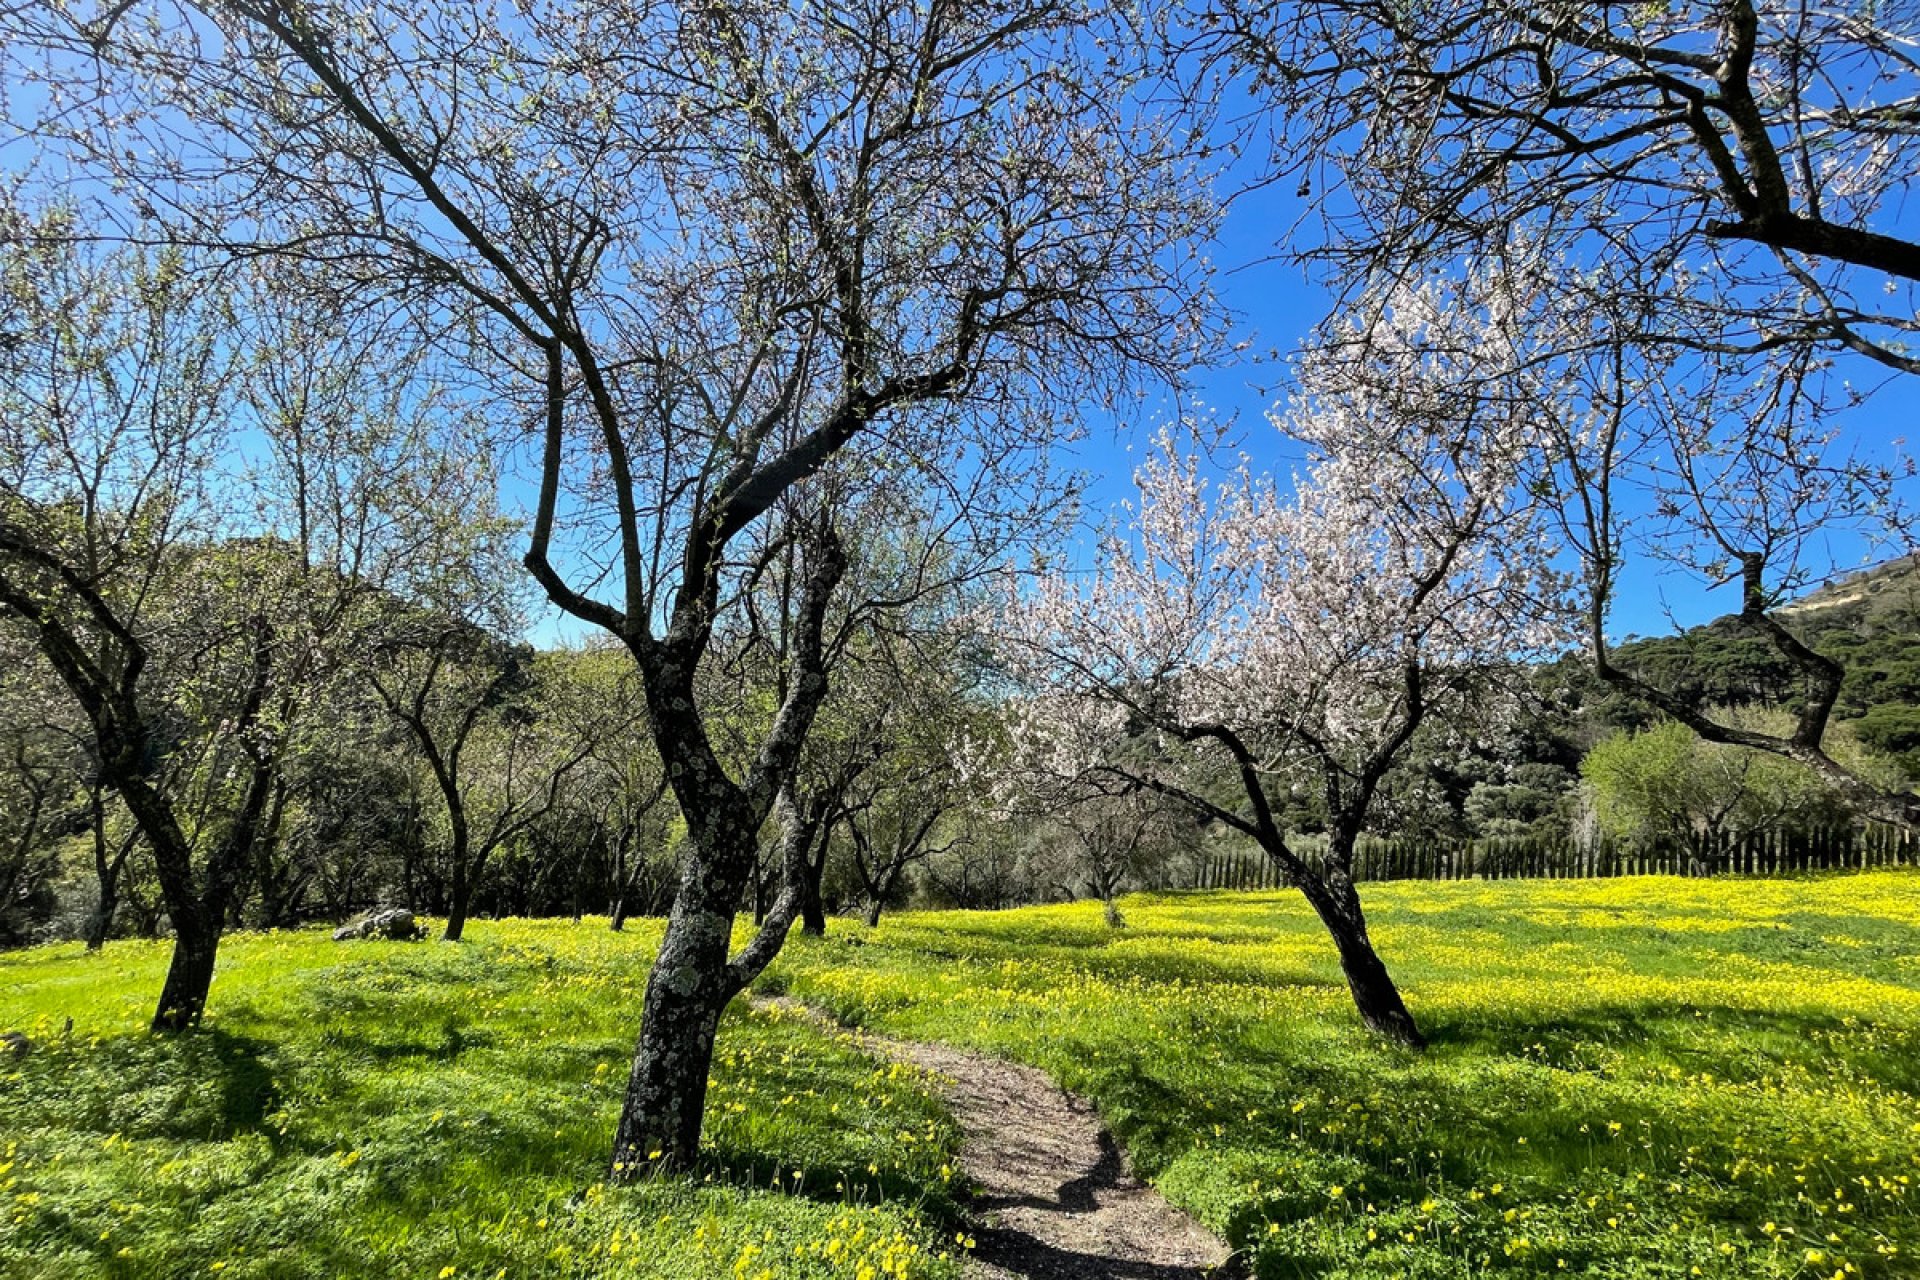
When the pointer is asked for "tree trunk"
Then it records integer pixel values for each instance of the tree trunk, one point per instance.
(456, 916)
(813, 869)
(106, 871)
(196, 941)
(1337, 903)
(460, 892)
(813, 911)
(693, 976)
(1112, 911)
(100, 923)
(689, 986)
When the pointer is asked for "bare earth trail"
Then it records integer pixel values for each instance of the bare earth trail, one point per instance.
(1052, 1195)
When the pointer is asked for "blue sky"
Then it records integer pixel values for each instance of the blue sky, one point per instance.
(1278, 305)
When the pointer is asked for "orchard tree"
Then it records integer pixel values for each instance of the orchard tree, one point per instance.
(1118, 831)
(1301, 640)
(621, 787)
(116, 392)
(177, 595)
(885, 771)
(1722, 466)
(41, 790)
(1705, 202)
(1076, 789)
(904, 648)
(896, 812)
(483, 715)
(711, 251)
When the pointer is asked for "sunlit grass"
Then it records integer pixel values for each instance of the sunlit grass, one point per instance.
(1642, 1077)
(387, 1109)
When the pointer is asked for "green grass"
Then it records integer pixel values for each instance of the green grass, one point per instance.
(388, 1109)
(1645, 1077)
(1628, 1078)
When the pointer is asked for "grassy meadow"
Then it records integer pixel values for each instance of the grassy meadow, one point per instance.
(1637, 1077)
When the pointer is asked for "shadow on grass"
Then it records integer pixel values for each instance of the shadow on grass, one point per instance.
(206, 1085)
(844, 1183)
(1739, 1043)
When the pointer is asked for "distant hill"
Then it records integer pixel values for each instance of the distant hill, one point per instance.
(1868, 621)
(1872, 594)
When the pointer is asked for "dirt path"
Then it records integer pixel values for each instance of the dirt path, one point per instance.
(1053, 1198)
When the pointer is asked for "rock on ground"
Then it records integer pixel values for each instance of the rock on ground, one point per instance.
(394, 924)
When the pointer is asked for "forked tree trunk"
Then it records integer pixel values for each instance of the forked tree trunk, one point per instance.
(878, 887)
(694, 976)
(617, 918)
(1337, 903)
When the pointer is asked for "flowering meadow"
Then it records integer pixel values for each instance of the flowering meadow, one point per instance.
(440, 1110)
(1634, 1077)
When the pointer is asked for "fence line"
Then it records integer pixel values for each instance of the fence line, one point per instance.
(1865, 847)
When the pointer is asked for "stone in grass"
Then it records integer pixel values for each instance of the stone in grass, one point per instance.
(394, 924)
(16, 1043)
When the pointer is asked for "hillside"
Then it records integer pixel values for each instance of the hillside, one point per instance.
(1869, 622)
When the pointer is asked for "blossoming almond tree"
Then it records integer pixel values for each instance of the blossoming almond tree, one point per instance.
(707, 252)
(1722, 189)
(1298, 640)
(1725, 467)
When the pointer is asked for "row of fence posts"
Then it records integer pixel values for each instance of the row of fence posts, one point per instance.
(1764, 853)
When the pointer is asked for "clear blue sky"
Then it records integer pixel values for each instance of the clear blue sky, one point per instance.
(1277, 307)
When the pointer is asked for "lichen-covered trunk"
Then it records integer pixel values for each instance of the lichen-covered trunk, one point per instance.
(1336, 901)
(689, 986)
(694, 976)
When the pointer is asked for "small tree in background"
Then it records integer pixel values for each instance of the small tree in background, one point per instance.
(1664, 786)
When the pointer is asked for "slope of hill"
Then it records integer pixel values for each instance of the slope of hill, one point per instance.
(1869, 622)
